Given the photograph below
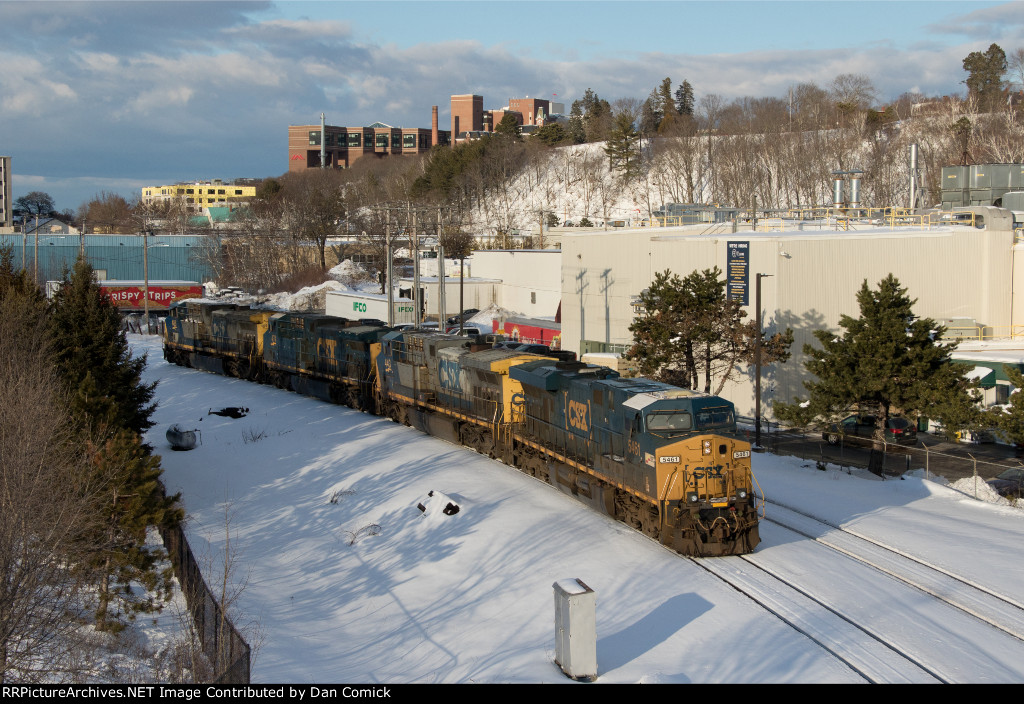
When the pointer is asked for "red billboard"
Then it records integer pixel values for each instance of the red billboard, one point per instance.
(129, 295)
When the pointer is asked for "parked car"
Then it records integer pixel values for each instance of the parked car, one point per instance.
(465, 315)
(1009, 483)
(533, 348)
(897, 430)
(469, 330)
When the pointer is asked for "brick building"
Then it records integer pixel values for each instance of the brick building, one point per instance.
(344, 146)
(469, 116)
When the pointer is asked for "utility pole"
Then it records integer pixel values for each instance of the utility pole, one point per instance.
(757, 362)
(388, 283)
(416, 295)
(145, 283)
(35, 264)
(441, 300)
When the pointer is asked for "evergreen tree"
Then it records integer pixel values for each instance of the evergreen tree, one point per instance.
(94, 359)
(117, 548)
(1010, 420)
(17, 282)
(509, 127)
(691, 333)
(666, 106)
(576, 131)
(622, 147)
(552, 134)
(684, 99)
(109, 398)
(985, 79)
(885, 362)
(589, 118)
(650, 114)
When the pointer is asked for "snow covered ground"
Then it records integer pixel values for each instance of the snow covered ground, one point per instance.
(368, 588)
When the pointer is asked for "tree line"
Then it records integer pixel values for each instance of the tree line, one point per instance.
(78, 486)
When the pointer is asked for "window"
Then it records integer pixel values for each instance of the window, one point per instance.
(396, 141)
(220, 191)
(382, 141)
(408, 141)
(314, 138)
(424, 141)
(1002, 393)
(679, 420)
(355, 139)
(238, 191)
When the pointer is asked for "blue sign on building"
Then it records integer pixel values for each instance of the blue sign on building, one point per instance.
(737, 270)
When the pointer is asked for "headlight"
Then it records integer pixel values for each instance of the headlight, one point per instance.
(741, 494)
(692, 498)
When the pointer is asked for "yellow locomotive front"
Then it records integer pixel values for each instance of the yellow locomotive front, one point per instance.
(705, 494)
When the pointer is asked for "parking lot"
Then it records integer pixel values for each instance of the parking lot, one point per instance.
(937, 455)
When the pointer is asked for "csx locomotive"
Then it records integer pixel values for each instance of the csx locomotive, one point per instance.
(664, 460)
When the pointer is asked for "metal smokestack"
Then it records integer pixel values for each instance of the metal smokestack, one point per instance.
(855, 190)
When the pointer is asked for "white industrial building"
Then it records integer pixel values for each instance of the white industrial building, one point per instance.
(522, 280)
(961, 275)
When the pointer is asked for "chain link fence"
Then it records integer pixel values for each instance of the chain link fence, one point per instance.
(222, 644)
(937, 457)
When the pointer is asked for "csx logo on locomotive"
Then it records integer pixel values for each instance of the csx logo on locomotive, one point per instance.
(449, 375)
(327, 348)
(714, 472)
(577, 416)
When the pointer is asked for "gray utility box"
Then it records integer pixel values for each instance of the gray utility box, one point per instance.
(576, 629)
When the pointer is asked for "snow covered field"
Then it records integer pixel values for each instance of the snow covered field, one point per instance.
(468, 597)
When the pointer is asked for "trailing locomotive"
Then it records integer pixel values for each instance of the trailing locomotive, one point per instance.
(664, 460)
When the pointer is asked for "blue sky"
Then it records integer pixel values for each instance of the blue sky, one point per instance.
(112, 96)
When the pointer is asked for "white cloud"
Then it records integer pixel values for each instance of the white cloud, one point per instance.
(293, 30)
(154, 101)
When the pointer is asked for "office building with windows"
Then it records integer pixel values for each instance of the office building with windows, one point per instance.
(341, 147)
(201, 194)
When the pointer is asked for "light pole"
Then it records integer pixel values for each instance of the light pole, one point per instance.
(145, 282)
(757, 362)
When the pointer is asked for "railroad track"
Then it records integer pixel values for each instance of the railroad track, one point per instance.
(999, 611)
(889, 616)
(863, 652)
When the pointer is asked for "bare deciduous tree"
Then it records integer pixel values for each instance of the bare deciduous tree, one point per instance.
(47, 504)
